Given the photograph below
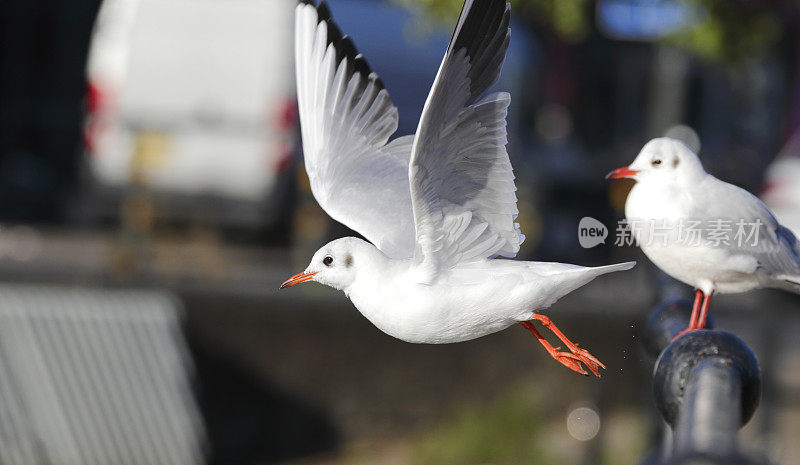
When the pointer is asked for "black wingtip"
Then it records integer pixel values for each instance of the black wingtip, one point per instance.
(482, 16)
(323, 12)
(378, 81)
(343, 44)
(348, 48)
(482, 33)
(334, 33)
(360, 65)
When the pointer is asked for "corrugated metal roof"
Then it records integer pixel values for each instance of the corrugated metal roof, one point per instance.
(95, 377)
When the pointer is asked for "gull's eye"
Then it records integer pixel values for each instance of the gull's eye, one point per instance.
(327, 260)
(656, 162)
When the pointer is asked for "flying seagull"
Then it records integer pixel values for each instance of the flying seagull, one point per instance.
(437, 206)
(704, 232)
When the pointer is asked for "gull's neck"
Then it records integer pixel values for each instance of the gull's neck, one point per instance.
(374, 270)
(693, 179)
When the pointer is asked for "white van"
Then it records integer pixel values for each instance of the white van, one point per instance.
(192, 102)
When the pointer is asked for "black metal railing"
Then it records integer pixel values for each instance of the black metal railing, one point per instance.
(706, 385)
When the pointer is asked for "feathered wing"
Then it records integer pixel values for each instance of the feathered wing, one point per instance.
(346, 119)
(789, 275)
(774, 247)
(462, 185)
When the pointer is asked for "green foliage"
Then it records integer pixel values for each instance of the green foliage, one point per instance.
(728, 30)
(568, 19)
(504, 431)
(732, 30)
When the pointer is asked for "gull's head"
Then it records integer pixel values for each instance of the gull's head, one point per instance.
(661, 159)
(335, 264)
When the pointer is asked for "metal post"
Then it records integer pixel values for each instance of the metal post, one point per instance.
(709, 419)
(707, 385)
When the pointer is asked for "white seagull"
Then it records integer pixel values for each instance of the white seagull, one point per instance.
(704, 232)
(437, 206)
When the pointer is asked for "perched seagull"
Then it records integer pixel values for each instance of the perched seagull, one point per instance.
(704, 232)
(437, 206)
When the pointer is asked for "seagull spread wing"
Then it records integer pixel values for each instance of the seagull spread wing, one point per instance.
(462, 186)
(346, 119)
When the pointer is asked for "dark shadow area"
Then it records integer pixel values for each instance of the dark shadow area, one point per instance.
(43, 46)
(249, 421)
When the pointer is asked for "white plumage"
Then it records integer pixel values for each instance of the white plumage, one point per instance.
(740, 245)
(439, 206)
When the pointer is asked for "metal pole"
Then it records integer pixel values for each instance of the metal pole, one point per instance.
(707, 385)
(709, 418)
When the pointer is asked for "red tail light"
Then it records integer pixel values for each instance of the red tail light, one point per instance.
(95, 99)
(285, 121)
(288, 115)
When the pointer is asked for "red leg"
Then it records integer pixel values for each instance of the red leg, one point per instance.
(698, 297)
(565, 358)
(576, 352)
(585, 357)
(701, 322)
(699, 313)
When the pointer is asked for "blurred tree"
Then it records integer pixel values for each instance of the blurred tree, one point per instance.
(733, 30)
(731, 33)
(725, 30)
(568, 19)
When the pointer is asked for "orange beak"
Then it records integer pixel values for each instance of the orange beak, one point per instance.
(297, 279)
(623, 172)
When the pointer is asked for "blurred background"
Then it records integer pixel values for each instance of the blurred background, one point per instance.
(152, 200)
